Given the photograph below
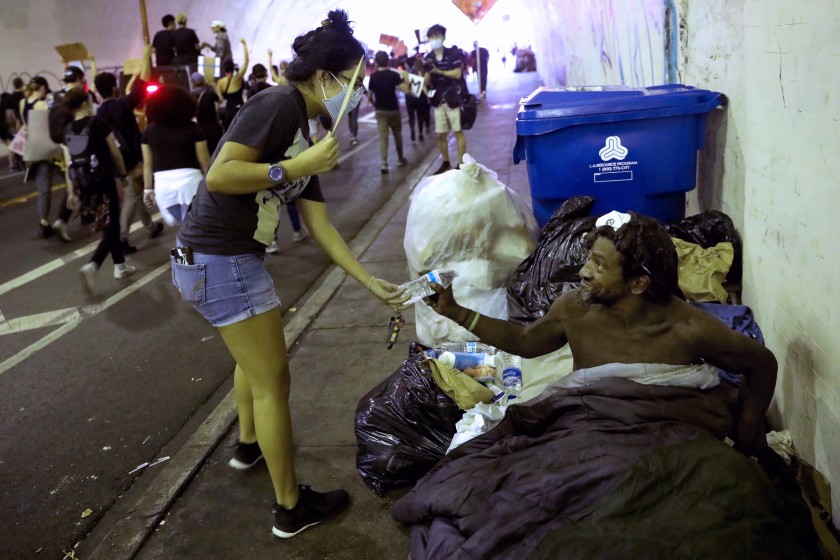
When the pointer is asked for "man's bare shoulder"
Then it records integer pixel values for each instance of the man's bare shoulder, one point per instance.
(567, 307)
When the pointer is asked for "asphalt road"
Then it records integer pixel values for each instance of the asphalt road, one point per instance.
(92, 388)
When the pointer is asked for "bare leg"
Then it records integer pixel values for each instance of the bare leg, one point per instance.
(244, 406)
(443, 147)
(462, 146)
(259, 348)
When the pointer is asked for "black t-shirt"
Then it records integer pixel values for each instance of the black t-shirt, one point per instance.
(382, 85)
(173, 147)
(164, 45)
(273, 121)
(185, 40)
(206, 98)
(119, 113)
(450, 60)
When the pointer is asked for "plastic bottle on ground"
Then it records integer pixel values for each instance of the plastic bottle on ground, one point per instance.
(471, 347)
(510, 366)
(421, 287)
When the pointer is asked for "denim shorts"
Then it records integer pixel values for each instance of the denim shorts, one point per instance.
(225, 289)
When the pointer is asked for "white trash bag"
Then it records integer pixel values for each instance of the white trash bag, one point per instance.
(468, 221)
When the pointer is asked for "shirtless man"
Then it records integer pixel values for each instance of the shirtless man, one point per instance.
(624, 312)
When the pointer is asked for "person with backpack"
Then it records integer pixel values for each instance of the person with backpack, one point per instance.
(93, 163)
(118, 111)
(39, 155)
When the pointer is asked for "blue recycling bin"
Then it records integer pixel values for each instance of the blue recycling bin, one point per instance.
(629, 149)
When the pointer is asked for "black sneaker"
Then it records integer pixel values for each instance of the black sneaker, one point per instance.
(45, 231)
(157, 231)
(245, 455)
(312, 508)
(128, 248)
(444, 167)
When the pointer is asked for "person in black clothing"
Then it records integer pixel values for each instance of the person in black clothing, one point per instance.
(207, 113)
(186, 43)
(445, 78)
(382, 93)
(102, 193)
(164, 42)
(418, 108)
(118, 111)
(478, 60)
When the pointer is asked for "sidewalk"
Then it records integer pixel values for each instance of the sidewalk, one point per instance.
(200, 508)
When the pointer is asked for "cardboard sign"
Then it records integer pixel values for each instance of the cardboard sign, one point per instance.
(416, 84)
(210, 67)
(389, 40)
(73, 51)
(132, 66)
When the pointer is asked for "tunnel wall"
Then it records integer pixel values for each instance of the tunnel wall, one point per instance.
(767, 163)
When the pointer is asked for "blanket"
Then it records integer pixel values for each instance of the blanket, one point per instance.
(614, 469)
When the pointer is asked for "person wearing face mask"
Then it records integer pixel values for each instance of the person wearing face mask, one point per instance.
(444, 66)
(265, 159)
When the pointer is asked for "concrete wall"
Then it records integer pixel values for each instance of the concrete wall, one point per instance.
(768, 164)
(778, 63)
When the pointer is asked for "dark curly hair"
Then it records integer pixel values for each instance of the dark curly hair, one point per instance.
(329, 47)
(646, 250)
(170, 106)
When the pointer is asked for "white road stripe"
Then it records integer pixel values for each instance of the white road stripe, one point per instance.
(30, 322)
(85, 312)
(46, 268)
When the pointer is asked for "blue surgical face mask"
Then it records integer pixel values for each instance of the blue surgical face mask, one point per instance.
(435, 44)
(333, 104)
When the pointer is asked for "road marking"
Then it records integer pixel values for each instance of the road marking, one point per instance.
(55, 264)
(38, 320)
(85, 312)
(24, 197)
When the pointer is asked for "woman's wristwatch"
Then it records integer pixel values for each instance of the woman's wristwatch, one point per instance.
(276, 173)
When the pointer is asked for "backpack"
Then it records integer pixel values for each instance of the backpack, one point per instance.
(84, 167)
(58, 118)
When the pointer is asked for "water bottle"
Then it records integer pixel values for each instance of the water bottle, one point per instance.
(511, 366)
(464, 360)
(471, 347)
(421, 287)
(498, 394)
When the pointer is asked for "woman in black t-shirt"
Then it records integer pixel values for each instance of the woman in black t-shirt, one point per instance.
(175, 156)
(100, 196)
(265, 159)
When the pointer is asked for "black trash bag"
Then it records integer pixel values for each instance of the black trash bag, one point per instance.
(553, 267)
(403, 426)
(707, 230)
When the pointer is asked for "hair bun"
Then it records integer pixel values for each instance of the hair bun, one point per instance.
(337, 20)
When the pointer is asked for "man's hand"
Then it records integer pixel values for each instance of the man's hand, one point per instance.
(443, 303)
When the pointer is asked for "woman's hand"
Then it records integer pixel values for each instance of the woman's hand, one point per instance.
(316, 159)
(389, 293)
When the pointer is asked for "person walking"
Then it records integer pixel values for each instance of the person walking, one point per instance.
(417, 106)
(118, 112)
(95, 186)
(207, 111)
(383, 95)
(266, 159)
(175, 155)
(39, 156)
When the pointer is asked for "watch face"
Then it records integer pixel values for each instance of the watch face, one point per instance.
(275, 173)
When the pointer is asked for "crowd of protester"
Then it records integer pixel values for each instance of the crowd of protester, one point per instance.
(166, 134)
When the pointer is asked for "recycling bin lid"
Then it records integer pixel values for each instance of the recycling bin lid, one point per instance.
(580, 101)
